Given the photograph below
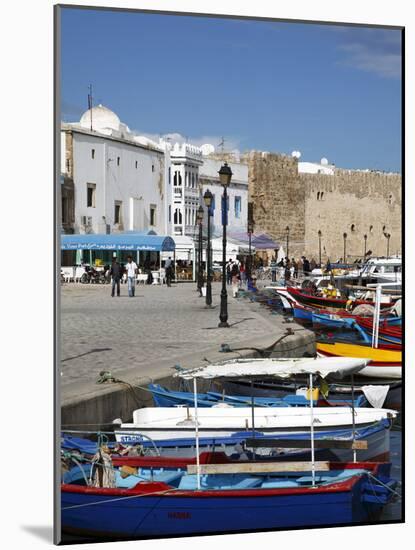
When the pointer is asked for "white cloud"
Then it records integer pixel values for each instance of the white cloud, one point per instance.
(373, 50)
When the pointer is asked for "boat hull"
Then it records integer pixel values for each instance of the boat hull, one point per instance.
(384, 363)
(138, 514)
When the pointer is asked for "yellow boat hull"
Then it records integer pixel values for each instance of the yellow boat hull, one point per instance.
(376, 355)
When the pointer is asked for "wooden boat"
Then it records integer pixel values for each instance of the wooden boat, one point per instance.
(239, 445)
(165, 423)
(385, 361)
(163, 397)
(269, 387)
(166, 497)
(388, 333)
(302, 298)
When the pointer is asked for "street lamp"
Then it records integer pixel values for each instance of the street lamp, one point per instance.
(388, 236)
(364, 255)
(225, 176)
(319, 247)
(287, 229)
(251, 224)
(344, 247)
(208, 197)
(199, 220)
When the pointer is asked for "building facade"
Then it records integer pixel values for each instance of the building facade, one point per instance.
(119, 183)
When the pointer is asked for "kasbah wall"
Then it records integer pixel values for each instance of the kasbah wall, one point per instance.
(352, 202)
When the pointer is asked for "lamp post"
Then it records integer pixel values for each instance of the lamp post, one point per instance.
(319, 248)
(364, 254)
(249, 264)
(344, 247)
(388, 236)
(287, 229)
(199, 219)
(250, 231)
(225, 176)
(207, 197)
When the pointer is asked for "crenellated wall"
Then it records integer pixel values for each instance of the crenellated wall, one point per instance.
(354, 202)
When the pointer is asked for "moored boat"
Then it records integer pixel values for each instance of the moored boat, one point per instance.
(221, 496)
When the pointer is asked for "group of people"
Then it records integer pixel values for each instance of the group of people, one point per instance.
(236, 275)
(288, 269)
(117, 270)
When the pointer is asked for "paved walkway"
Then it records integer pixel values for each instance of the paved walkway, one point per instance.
(159, 324)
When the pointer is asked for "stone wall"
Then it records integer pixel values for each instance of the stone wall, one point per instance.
(355, 203)
(278, 195)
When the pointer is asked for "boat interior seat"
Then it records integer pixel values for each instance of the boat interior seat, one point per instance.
(167, 476)
(219, 481)
(278, 483)
(330, 477)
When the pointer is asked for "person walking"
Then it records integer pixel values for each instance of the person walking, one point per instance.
(242, 273)
(169, 271)
(294, 264)
(132, 269)
(115, 273)
(235, 280)
(273, 265)
(306, 266)
(228, 271)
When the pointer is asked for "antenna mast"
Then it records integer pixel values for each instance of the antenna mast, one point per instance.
(90, 102)
(222, 145)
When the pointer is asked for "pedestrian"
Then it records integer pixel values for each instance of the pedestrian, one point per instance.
(115, 272)
(306, 266)
(273, 266)
(313, 264)
(132, 269)
(295, 266)
(169, 271)
(235, 280)
(242, 273)
(292, 268)
(228, 271)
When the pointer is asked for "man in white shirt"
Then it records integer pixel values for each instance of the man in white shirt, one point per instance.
(131, 268)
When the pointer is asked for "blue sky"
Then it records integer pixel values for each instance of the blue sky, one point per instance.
(328, 91)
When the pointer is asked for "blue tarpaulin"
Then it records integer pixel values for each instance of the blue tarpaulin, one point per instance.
(118, 241)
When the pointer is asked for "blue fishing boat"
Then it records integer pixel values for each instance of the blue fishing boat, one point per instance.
(218, 495)
(164, 397)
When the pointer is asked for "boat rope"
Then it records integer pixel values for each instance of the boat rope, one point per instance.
(371, 476)
(106, 501)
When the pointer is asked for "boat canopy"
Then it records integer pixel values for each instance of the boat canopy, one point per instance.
(118, 241)
(337, 367)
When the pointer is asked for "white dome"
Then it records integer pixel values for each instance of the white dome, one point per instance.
(102, 118)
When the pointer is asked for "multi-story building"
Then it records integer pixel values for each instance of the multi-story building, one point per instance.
(119, 179)
(114, 180)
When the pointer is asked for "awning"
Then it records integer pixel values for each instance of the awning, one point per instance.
(338, 367)
(261, 241)
(117, 241)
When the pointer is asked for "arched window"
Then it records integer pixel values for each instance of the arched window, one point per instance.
(318, 195)
(321, 195)
(177, 216)
(352, 227)
(371, 229)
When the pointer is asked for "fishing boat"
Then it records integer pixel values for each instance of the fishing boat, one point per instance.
(385, 361)
(223, 424)
(302, 298)
(269, 387)
(166, 497)
(164, 397)
(389, 333)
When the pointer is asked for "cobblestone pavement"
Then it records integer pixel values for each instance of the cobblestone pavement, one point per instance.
(99, 332)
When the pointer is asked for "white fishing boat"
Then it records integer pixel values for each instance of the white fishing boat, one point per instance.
(163, 424)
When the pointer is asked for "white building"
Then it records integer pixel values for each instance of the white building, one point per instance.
(114, 180)
(185, 162)
(119, 179)
(237, 194)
